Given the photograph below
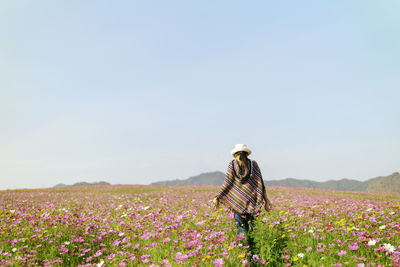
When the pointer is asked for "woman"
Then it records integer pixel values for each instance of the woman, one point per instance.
(243, 189)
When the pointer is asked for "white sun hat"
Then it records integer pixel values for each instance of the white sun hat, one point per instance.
(241, 147)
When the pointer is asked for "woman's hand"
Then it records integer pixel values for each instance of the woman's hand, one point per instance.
(268, 205)
(215, 203)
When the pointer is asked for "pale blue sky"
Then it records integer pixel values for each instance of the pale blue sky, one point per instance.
(134, 92)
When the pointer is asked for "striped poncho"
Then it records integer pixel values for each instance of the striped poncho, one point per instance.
(243, 192)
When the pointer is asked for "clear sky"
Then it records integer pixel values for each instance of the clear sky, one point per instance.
(133, 92)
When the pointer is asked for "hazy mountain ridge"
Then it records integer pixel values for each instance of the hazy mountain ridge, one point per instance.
(343, 184)
(82, 184)
(390, 183)
(207, 178)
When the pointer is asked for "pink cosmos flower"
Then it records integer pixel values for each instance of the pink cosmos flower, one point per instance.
(239, 237)
(98, 253)
(353, 246)
(255, 257)
(218, 262)
(342, 253)
(263, 261)
(180, 258)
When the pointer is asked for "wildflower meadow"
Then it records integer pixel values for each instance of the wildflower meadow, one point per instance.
(173, 226)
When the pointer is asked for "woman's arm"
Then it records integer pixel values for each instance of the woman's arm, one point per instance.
(267, 202)
(226, 186)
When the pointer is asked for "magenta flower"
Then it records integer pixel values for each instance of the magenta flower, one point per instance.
(285, 257)
(218, 262)
(98, 253)
(353, 246)
(180, 258)
(255, 257)
(239, 237)
(342, 253)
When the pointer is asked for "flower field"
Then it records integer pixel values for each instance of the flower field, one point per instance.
(172, 226)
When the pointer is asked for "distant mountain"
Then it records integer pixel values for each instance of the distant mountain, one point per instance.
(390, 183)
(60, 185)
(82, 184)
(208, 178)
(341, 185)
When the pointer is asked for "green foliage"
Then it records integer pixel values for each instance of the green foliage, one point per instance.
(268, 243)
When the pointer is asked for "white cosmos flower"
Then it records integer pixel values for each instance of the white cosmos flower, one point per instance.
(391, 213)
(67, 242)
(311, 231)
(14, 249)
(121, 234)
(146, 208)
(382, 227)
(372, 242)
(388, 247)
(368, 209)
(300, 255)
(100, 263)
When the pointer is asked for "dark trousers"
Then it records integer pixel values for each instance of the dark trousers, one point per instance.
(244, 222)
